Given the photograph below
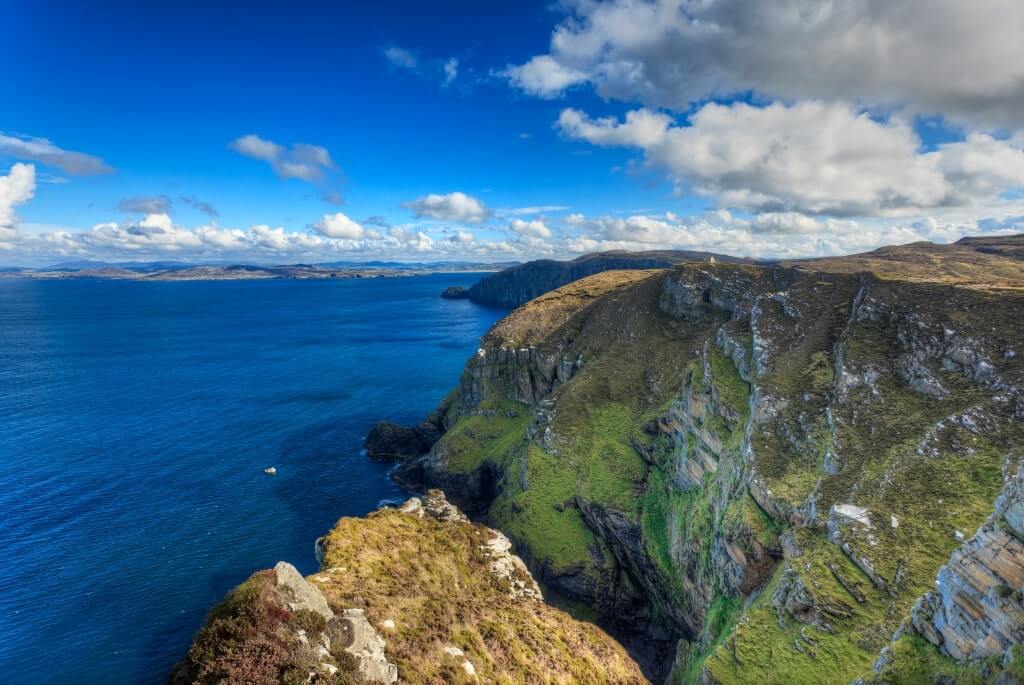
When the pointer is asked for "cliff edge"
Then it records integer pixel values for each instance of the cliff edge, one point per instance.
(414, 594)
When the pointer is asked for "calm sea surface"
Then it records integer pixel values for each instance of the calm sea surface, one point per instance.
(135, 423)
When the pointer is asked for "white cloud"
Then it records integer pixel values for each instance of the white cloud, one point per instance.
(400, 57)
(43, 151)
(810, 157)
(451, 71)
(339, 226)
(642, 128)
(950, 57)
(544, 76)
(461, 236)
(451, 207)
(301, 160)
(534, 228)
(770, 235)
(786, 223)
(17, 187)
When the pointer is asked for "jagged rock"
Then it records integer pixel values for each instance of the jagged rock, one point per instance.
(305, 595)
(510, 569)
(435, 505)
(367, 646)
(390, 441)
(455, 292)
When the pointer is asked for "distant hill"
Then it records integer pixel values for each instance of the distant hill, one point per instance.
(519, 284)
(990, 262)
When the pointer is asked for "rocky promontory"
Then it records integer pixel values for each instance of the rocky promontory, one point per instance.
(455, 292)
(414, 594)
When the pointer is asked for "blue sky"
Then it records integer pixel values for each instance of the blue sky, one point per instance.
(414, 99)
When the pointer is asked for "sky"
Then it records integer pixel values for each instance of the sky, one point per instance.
(283, 132)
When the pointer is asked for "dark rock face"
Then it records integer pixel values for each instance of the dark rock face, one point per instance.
(390, 441)
(520, 284)
(624, 537)
(455, 292)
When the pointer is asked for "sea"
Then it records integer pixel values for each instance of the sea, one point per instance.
(136, 421)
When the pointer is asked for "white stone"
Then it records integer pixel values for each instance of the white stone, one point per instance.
(853, 513)
(388, 623)
(453, 651)
(469, 668)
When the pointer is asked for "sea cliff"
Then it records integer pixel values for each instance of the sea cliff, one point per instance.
(803, 472)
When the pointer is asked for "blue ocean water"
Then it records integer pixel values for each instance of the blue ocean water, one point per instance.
(135, 423)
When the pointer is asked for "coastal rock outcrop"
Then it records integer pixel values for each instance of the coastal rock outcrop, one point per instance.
(413, 594)
(277, 627)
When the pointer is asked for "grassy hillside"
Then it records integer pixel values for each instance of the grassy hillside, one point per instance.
(771, 463)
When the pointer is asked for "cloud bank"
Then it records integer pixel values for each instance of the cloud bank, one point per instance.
(812, 157)
(959, 59)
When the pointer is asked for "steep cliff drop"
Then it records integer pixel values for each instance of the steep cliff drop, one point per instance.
(805, 472)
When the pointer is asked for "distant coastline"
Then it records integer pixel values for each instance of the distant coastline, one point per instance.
(235, 272)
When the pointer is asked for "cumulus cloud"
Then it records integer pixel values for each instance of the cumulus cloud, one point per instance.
(960, 59)
(544, 76)
(339, 226)
(43, 151)
(461, 236)
(451, 207)
(156, 204)
(810, 157)
(301, 160)
(534, 228)
(400, 57)
(17, 187)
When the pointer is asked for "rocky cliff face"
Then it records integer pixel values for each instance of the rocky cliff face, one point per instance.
(787, 474)
(416, 594)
